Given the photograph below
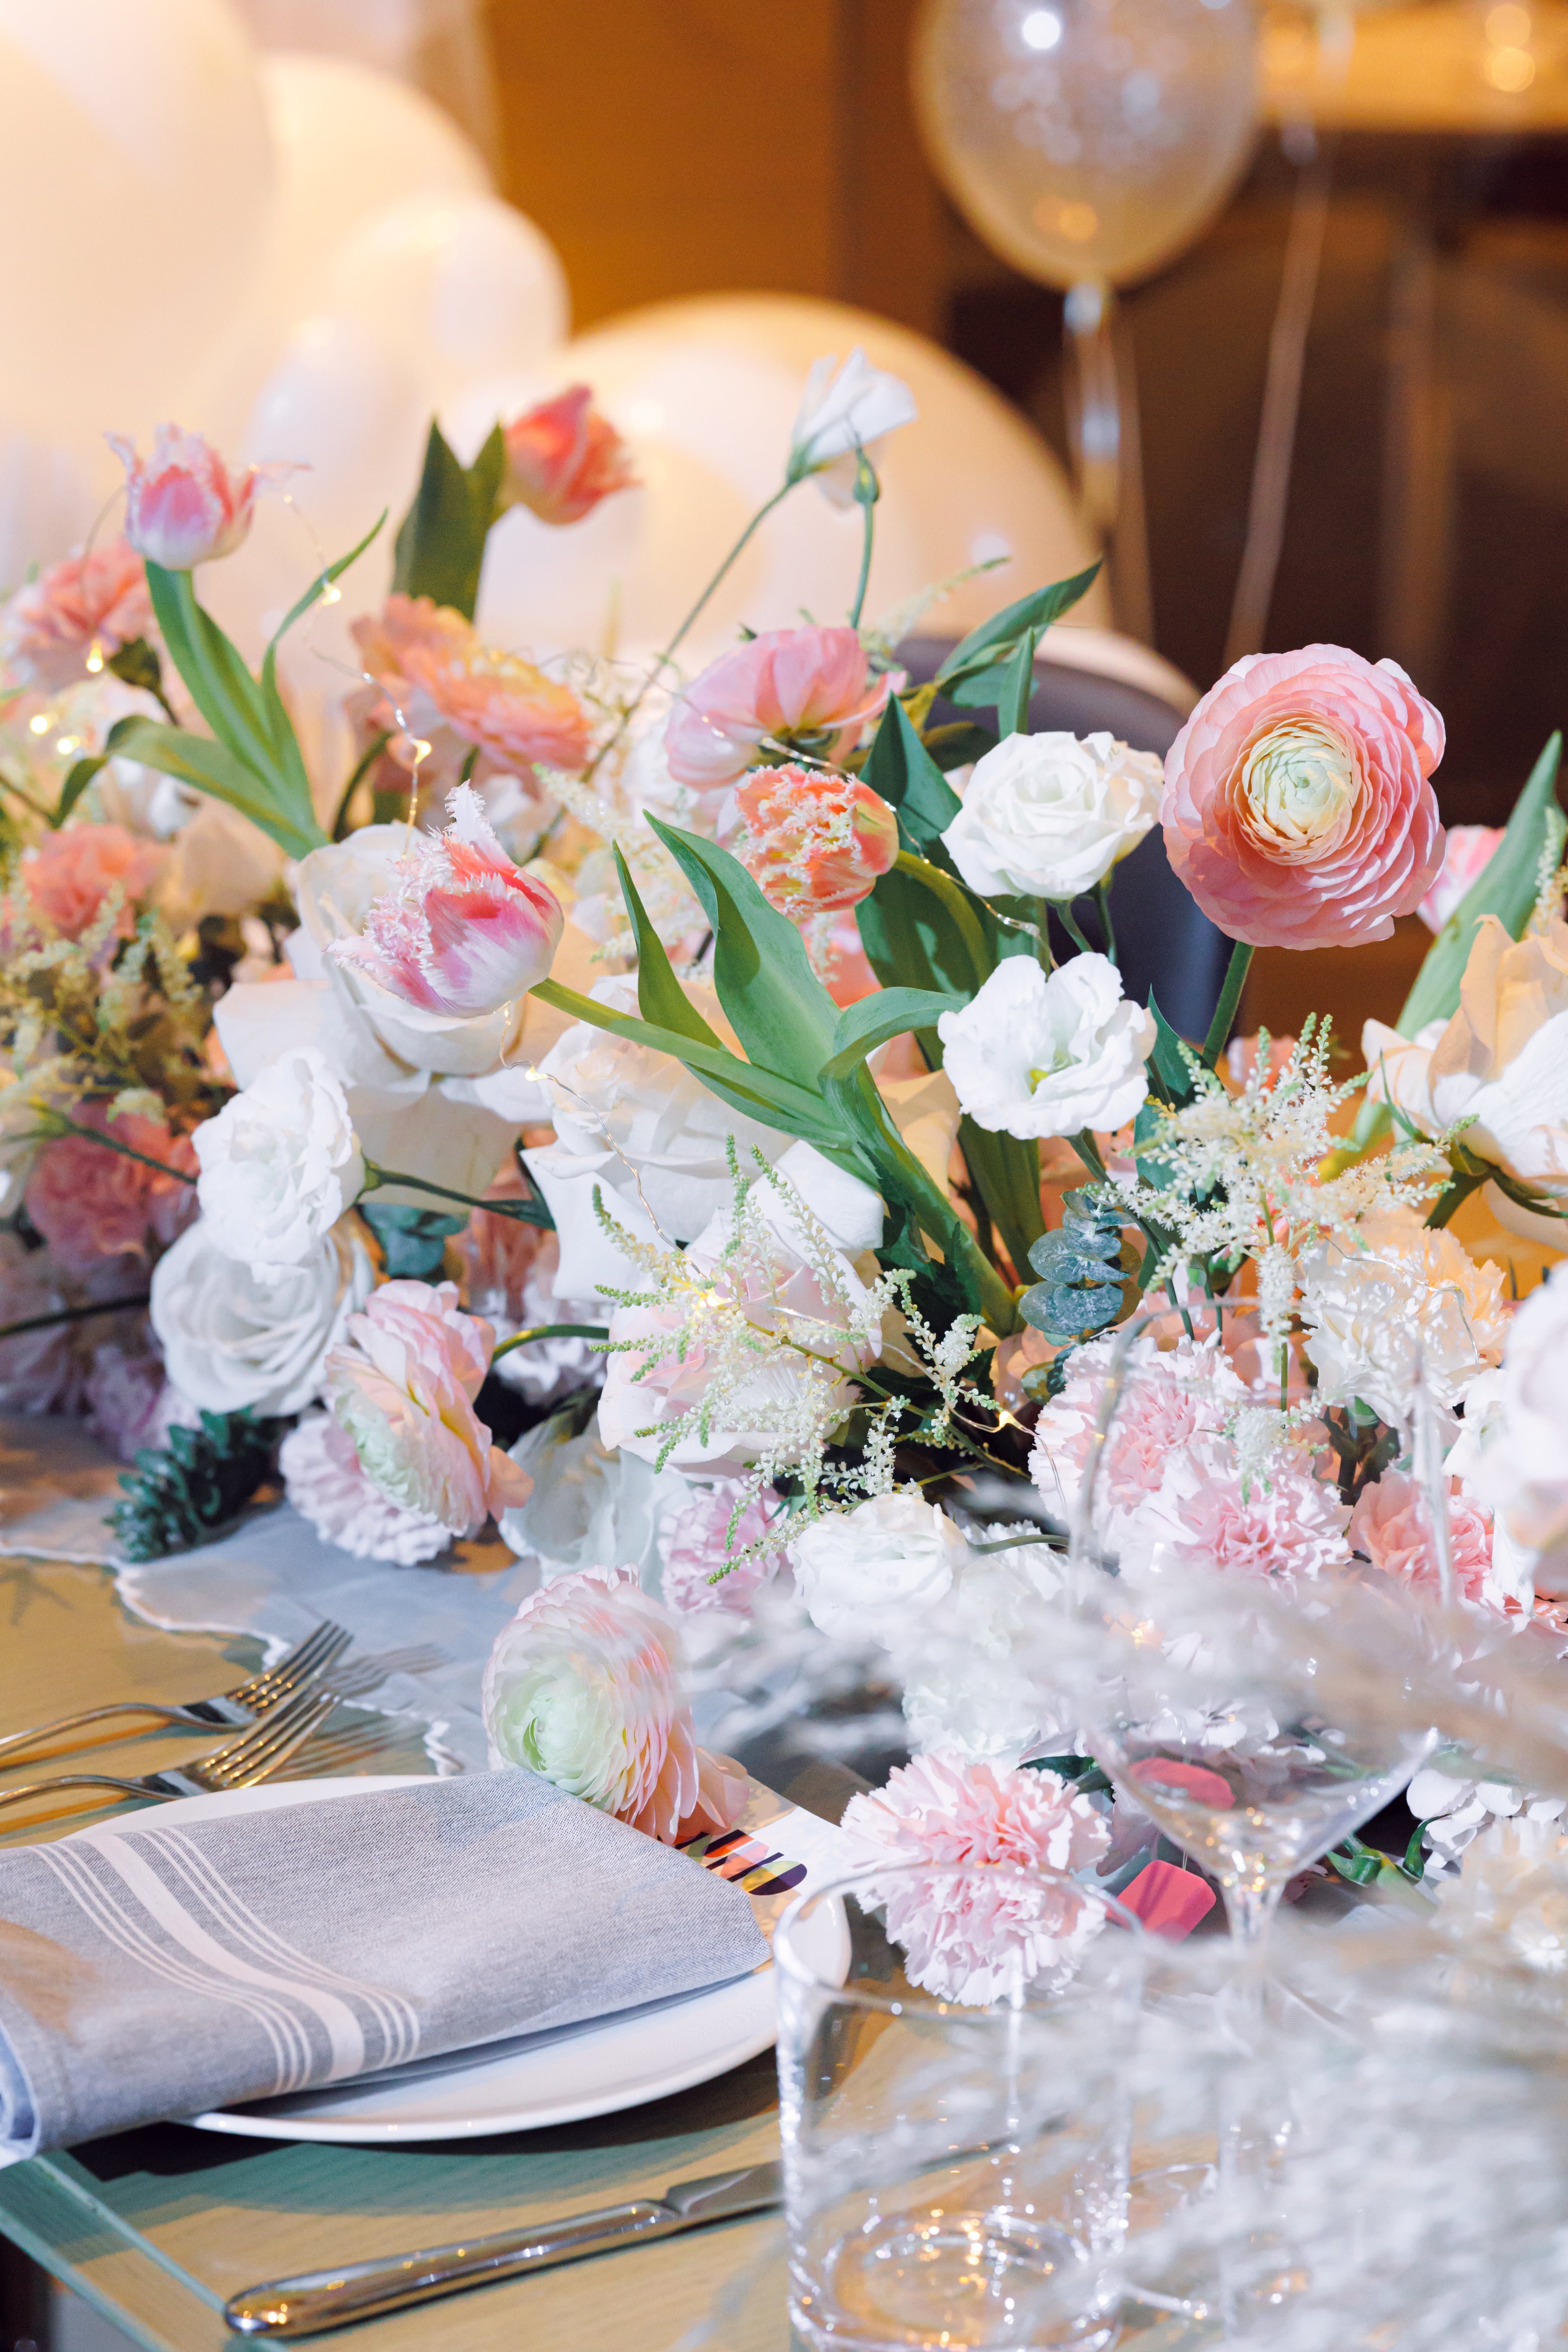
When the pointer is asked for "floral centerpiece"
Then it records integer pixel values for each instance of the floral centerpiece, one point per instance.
(698, 1122)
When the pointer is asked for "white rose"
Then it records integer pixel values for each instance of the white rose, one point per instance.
(1398, 1297)
(873, 1570)
(279, 1165)
(1047, 817)
(843, 410)
(1034, 1056)
(1521, 1465)
(231, 1342)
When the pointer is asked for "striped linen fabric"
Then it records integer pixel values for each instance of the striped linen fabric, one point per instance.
(160, 1967)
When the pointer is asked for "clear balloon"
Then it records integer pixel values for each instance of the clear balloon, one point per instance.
(134, 173)
(1088, 139)
(706, 393)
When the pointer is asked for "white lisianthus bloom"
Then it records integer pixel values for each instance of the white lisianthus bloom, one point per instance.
(1397, 1298)
(843, 410)
(870, 1571)
(280, 1164)
(969, 1666)
(1033, 1056)
(1520, 1463)
(1047, 817)
(1399, 1069)
(231, 1342)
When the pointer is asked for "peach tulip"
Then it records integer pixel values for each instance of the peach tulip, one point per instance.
(563, 458)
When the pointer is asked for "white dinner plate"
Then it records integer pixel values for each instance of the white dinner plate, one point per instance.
(557, 2077)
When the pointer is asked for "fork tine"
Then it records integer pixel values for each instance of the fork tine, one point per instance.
(237, 1754)
(302, 1663)
(271, 1756)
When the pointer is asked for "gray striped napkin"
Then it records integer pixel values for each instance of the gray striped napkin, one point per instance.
(155, 1968)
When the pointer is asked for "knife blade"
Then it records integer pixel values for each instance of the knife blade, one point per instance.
(318, 2300)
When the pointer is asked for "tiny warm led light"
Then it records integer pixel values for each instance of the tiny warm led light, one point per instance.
(1041, 29)
(332, 593)
(95, 658)
(42, 723)
(66, 744)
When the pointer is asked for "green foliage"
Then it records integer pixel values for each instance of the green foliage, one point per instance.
(137, 663)
(196, 1485)
(412, 1241)
(972, 674)
(441, 539)
(900, 767)
(1085, 1268)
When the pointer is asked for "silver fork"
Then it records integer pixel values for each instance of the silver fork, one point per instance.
(248, 1703)
(263, 1750)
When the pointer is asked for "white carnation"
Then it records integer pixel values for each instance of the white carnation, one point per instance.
(870, 1571)
(279, 1165)
(232, 1342)
(1034, 1056)
(1396, 1298)
(1047, 817)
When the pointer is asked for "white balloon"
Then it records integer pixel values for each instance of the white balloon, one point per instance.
(467, 282)
(135, 166)
(706, 393)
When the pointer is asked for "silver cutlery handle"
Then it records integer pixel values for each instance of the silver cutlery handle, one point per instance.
(22, 1740)
(318, 2300)
(79, 1781)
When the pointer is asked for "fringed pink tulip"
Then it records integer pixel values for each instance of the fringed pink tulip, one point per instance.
(563, 458)
(810, 690)
(587, 1687)
(183, 505)
(816, 841)
(404, 1390)
(1297, 808)
(465, 930)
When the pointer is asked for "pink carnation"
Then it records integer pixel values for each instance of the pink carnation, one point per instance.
(92, 1204)
(972, 1939)
(1468, 854)
(814, 841)
(324, 1482)
(1168, 1399)
(1207, 1516)
(1391, 1527)
(1297, 808)
(695, 1543)
(404, 1390)
(49, 627)
(807, 688)
(587, 1686)
(66, 879)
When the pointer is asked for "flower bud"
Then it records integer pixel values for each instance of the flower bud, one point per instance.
(816, 841)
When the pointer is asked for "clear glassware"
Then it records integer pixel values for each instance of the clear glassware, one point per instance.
(955, 2174)
(1200, 1690)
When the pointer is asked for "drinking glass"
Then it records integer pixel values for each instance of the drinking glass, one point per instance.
(955, 2172)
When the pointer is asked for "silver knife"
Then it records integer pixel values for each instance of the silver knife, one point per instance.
(322, 2299)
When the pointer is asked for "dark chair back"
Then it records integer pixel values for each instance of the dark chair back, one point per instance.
(1166, 945)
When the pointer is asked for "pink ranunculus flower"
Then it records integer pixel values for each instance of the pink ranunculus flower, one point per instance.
(587, 1686)
(66, 879)
(403, 1389)
(184, 504)
(325, 1482)
(48, 628)
(1471, 850)
(695, 1542)
(436, 672)
(814, 840)
(971, 1940)
(1391, 1527)
(809, 688)
(1297, 807)
(464, 931)
(92, 1204)
(563, 458)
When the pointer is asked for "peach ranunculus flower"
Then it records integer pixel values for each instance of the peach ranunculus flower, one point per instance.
(808, 690)
(66, 879)
(814, 840)
(403, 1389)
(586, 1687)
(563, 458)
(435, 672)
(49, 628)
(1471, 849)
(1297, 807)
(184, 504)
(464, 930)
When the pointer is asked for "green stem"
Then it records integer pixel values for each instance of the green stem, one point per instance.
(867, 492)
(524, 1213)
(1087, 1150)
(362, 769)
(73, 1315)
(1043, 955)
(59, 1124)
(1070, 924)
(551, 1331)
(1102, 900)
(1229, 998)
(26, 798)
(955, 898)
(1454, 1194)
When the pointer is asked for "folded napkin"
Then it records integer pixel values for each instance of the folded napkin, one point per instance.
(156, 1966)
